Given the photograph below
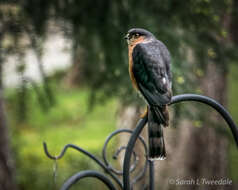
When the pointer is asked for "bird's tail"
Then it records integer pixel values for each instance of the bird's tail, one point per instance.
(156, 118)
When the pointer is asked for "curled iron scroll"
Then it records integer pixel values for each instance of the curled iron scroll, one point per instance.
(105, 165)
(99, 162)
(119, 150)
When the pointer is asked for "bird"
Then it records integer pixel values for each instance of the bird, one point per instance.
(150, 73)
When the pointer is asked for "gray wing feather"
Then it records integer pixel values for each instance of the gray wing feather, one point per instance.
(151, 68)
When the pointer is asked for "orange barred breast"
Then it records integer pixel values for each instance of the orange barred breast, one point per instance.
(131, 47)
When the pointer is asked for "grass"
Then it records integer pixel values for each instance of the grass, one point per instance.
(69, 121)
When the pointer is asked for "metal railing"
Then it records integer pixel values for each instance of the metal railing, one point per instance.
(126, 183)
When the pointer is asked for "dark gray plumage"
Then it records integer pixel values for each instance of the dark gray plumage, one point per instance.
(151, 70)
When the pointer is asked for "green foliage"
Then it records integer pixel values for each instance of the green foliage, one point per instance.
(98, 28)
(67, 122)
(233, 91)
(233, 108)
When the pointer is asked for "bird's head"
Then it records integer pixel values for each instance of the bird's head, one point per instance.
(136, 35)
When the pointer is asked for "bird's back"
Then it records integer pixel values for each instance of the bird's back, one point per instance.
(155, 52)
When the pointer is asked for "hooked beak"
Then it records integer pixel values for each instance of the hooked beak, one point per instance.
(126, 37)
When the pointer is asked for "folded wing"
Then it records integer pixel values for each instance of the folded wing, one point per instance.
(151, 69)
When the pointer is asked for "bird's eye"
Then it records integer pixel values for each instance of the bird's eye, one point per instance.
(137, 35)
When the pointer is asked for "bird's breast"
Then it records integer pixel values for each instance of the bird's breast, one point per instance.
(133, 80)
(131, 46)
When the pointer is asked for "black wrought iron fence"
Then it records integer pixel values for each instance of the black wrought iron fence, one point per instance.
(130, 155)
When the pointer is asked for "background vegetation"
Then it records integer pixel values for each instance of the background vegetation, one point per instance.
(67, 122)
(81, 105)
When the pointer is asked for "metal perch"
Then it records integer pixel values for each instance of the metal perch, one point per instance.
(126, 183)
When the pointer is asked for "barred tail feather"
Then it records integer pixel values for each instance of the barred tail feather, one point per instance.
(156, 138)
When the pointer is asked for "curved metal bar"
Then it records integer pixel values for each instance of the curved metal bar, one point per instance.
(176, 99)
(135, 158)
(100, 163)
(214, 104)
(130, 146)
(115, 156)
(88, 173)
(151, 175)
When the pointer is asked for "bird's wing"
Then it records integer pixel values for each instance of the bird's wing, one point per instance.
(151, 69)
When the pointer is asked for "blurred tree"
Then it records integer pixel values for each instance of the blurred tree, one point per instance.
(35, 15)
(7, 174)
(7, 171)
